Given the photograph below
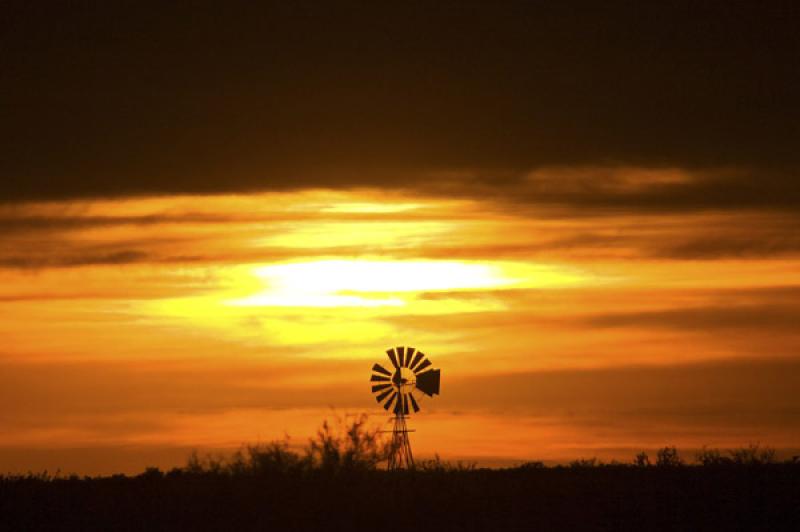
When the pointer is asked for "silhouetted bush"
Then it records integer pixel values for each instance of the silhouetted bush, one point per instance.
(583, 463)
(753, 454)
(668, 457)
(437, 465)
(347, 447)
(209, 464)
(274, 458)
(641, 460)
(339, 446)
(152, 473)
(712, 458)
(527, 466)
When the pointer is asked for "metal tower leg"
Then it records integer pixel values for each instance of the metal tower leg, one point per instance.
(400, 456)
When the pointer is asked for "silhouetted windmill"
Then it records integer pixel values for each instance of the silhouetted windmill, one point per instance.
(395, 390)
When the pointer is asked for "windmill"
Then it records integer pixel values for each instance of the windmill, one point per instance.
(395, 391)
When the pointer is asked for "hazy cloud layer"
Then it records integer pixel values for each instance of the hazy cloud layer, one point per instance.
(686, 393)
(725, 393)
(67, 410)
(764, 317)
(259, 228)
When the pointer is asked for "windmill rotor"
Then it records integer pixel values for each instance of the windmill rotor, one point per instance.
(411, 374)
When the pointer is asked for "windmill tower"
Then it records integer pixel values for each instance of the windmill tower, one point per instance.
(395, 391)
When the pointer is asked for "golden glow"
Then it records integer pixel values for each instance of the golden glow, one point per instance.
(328, 283)
(227, 315)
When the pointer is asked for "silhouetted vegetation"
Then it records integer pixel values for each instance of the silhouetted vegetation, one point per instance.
(335, 482)
(668, 457)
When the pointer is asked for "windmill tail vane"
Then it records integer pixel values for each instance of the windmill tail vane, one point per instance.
(395, 390)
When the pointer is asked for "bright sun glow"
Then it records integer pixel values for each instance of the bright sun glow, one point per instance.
(376, 283)
(346, 283)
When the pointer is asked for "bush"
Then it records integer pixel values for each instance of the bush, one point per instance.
(342, 446)
(583, 463)
(753, 454)
(274, 458)
(712, 458)
(668, 457)
(437, 465)
(152, 474)
(352, 447)
(641, 460)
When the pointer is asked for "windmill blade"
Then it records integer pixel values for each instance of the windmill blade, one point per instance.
(401, 353)
(379, 378)
(420, 356)
(379, 387)
(428, 382)
(422, 366)
(392, 357)
(380, 369)
(388, 403)
(409, 353)
(414, 404)
(405, 404)
(381, 396)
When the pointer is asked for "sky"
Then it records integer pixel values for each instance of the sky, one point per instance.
(215, 219)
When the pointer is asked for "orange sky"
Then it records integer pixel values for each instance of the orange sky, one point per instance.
(138, 328)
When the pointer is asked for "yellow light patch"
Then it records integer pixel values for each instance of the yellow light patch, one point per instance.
(377, 283)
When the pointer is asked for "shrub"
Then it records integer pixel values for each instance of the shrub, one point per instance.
(753, 454)
(338, 447)
(437, 465)
(152, 474)
(641, 460)
(712, 457)
(582, 463)
(668, 457)
(526, 466)
(274, 458)
(353, 447)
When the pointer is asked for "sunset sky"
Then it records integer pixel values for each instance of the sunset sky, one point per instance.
(214, 220)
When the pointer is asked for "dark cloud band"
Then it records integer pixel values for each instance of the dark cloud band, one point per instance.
(129, 98)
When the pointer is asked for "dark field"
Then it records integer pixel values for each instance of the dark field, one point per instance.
(335, 483)
(762, 497)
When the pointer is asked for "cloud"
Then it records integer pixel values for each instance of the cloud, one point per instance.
(21, 222)
(115, 101)
(728, 394)
(46, 392)
(763, 317)
(131, 256)
(596, 190)
(773, 244)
